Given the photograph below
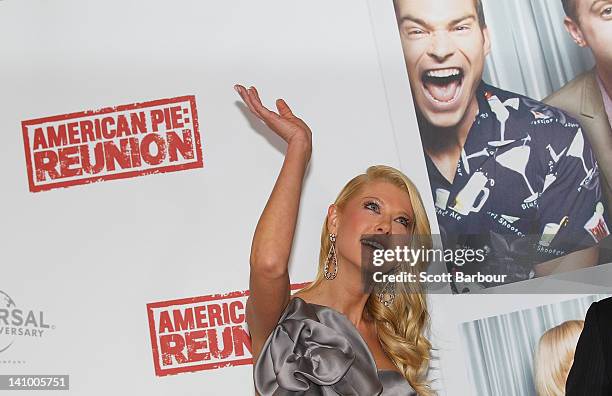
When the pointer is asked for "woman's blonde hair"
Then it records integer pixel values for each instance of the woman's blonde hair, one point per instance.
(402, 325)
(554, 357)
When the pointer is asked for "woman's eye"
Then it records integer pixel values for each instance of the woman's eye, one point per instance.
(607, 12)
(404, 221)
(373, 206)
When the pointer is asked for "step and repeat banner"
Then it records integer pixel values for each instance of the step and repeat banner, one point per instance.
(134, 176)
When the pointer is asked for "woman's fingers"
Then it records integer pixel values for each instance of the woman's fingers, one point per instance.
(250, 97)
(263, 111)
(285, 112)
(270, 118)
(242, 91)
(283, 108)
(284, 123)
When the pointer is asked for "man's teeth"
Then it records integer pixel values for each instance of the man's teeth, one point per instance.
(443, 73)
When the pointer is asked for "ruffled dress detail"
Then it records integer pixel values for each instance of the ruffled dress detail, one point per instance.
(315, 350)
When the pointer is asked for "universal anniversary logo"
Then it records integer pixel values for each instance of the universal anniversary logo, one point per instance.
(17, 323)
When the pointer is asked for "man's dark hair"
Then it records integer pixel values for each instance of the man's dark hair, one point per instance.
(480, 13)
(569, 6)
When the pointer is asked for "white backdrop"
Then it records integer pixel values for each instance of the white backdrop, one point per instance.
(91, 257)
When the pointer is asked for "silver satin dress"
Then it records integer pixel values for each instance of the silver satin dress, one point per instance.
(314, 350)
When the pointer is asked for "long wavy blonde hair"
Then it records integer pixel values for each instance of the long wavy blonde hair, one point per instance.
(402, 325)
(554, 357)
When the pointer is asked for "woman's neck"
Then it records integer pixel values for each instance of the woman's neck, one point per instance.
(344, 294)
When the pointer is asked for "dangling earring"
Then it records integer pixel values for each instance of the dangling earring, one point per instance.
(331, 256)
(388, 289)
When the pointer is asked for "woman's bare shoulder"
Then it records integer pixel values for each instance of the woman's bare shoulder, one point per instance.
(308, 296)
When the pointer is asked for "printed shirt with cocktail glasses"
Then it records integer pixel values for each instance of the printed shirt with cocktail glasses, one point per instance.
(526, 188)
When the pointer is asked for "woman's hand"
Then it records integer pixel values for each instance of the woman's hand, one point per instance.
(284, 123)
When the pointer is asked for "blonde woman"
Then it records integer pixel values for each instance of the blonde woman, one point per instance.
(334, 338)
(554, 357)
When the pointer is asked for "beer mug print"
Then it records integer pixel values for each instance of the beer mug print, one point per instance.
(442, 196)
(474, 191)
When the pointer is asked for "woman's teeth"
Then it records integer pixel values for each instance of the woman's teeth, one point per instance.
(374, 244)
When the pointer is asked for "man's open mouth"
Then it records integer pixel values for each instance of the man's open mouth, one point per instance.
(443, 85)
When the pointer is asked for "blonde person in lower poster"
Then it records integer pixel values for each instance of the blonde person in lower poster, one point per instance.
(554, 357)
(333, 338)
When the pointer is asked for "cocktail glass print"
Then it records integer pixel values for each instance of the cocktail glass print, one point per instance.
(555, 157)
(465, 202)
(465, 158)
(575, 150)
(516, 159)
(548, 180)
(551, 177)
(502, 114)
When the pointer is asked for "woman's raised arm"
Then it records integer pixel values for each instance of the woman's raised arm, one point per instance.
(271, 248)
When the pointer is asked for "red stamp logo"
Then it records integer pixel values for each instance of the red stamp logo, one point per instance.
(200, 333)
(112, 143)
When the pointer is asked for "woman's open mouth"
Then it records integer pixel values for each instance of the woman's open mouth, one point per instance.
(372, 243)
(443, 86)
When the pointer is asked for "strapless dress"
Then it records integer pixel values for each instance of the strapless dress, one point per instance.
(315, 350)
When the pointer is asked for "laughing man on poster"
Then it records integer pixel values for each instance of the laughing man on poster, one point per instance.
(509, 174)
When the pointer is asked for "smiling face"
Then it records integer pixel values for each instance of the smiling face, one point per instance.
(593, 28)
(444, 49)
(379, 207)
